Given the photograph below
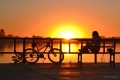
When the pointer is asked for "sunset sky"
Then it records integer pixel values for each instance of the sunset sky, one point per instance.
(58, 18)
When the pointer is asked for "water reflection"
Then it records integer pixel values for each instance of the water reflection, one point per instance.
(68, 74)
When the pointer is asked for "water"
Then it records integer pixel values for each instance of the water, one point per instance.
(7, 58)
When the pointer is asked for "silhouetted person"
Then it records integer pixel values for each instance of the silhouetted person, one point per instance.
(94, 45)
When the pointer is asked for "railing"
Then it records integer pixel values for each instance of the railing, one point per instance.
(61, 41)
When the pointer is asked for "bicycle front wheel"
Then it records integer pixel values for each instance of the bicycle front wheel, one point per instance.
(55, 55)
(31, 56)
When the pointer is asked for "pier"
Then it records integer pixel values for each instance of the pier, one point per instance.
(62, 71)
(105, 43)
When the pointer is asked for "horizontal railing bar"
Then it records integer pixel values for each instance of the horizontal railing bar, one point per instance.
(85, 39)
(63, 52)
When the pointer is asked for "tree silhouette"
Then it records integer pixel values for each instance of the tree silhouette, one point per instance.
(2, 33)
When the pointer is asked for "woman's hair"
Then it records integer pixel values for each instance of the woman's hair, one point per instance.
(95, 33)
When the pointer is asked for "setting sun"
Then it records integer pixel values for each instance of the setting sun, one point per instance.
(67, 35)
(67, 30)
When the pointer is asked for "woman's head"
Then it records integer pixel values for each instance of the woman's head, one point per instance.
(95, 34)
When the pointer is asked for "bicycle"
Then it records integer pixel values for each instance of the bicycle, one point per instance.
(33, 54)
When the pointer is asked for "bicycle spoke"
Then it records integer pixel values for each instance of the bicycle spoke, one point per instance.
(31, 56)
(55, 55)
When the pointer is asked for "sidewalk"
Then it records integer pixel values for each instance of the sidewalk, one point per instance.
(50, 71)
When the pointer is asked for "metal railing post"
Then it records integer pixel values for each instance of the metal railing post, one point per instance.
(23, 51)
(60, 49)
(14, 45)
(69, 46)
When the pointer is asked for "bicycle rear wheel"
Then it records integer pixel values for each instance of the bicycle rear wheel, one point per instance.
(31, 56)
(55, 54)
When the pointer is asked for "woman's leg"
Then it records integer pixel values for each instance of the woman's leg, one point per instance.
(86, 48)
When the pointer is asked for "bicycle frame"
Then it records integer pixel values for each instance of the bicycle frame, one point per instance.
(44, 47)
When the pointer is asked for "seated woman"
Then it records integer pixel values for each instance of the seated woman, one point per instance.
(94, 45)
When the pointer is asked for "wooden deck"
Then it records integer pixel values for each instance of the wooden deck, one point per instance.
(65, 71)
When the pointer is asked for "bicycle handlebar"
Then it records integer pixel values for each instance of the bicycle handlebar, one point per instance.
(34, 44)
(48, 43)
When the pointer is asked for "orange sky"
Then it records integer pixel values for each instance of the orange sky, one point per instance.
(55, 17)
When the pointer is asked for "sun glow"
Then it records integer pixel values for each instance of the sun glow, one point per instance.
(67, 31)
(67, 35)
